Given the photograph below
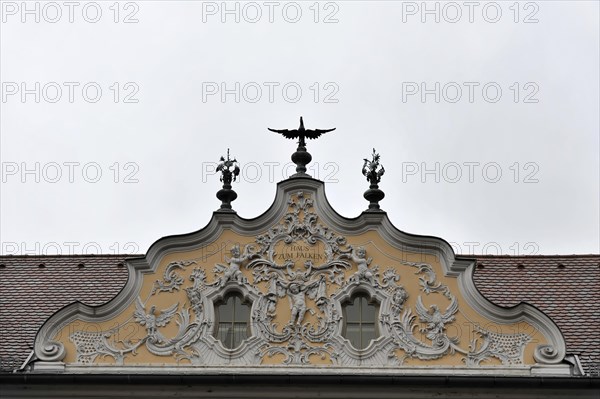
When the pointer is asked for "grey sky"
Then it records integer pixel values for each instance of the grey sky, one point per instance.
(363, 74)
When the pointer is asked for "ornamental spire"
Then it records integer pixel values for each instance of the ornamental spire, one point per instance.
(301, 157)
(229, 171)
(373, 171)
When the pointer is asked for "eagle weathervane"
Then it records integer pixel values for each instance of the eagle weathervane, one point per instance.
(301, 157)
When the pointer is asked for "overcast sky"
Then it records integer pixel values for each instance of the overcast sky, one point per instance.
(486, 116)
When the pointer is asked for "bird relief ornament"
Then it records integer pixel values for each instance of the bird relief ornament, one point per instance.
(152, 321)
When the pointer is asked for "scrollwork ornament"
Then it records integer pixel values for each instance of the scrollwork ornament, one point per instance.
(547, 354)
(52, 351)
(171, 280)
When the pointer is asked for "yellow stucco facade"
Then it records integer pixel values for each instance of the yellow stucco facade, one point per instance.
(462, 331)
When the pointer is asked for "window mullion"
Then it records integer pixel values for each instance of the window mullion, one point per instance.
(360, 323)
(233, 318)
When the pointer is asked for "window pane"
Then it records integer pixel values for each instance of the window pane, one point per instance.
(367, 311)
(226, 334)
(368, 333)
(242, 311)
(233, 323)
(226, 310)
(353, 311)
(240, 334)
(353, 334)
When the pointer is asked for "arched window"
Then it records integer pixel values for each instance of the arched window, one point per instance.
(360, 326)
(233, 316)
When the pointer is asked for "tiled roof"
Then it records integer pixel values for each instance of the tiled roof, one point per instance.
(30, 293)
(566, 288)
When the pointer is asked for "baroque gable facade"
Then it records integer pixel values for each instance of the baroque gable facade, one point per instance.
(298, 268)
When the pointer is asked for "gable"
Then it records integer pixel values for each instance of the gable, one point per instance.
(299, 265)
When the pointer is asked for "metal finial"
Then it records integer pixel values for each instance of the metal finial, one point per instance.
(229, 172)
(373, 171)
(301, 157)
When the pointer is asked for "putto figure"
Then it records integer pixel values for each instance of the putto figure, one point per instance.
(359, 256)
(297, 303)
(232, 270)
(297, 290)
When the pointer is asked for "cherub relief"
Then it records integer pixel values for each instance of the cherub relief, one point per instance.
(359, 256)
(232, 270)
(297, 290)
(297, 302)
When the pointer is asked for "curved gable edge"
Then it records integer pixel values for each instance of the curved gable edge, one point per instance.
(550, 358)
